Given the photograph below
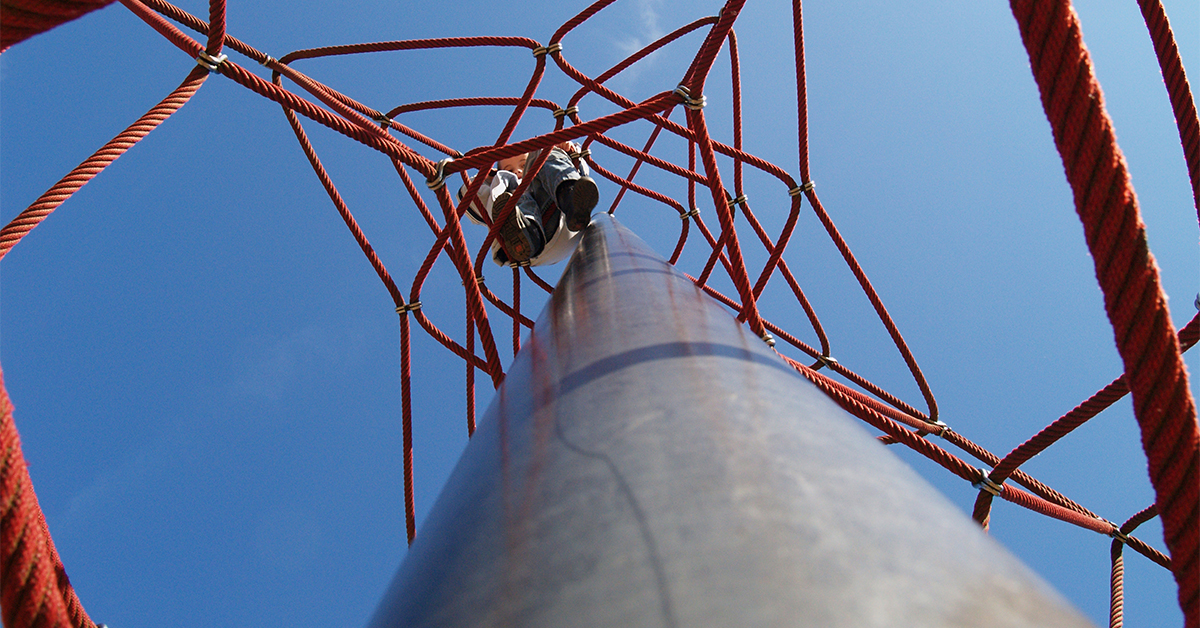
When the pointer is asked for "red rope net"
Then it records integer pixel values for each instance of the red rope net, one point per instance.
(35, 589)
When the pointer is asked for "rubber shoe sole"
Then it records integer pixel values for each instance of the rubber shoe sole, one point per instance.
(584, 197)
(513, 236)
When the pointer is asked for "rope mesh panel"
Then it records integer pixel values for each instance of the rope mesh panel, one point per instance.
(35, 588)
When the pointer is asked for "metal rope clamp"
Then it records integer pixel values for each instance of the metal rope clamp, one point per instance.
(408, 307)
(986, 484)
(569, 111)
(209, 62)
(694, 104)
(551, 49)
(942, 427)
(439, 178)
(801, 189)
(692, 214)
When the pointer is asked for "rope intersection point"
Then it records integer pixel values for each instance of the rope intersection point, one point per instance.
(569, 111)
(545, 50)
(439, 178)
(986, 484)
(209, 62)
(801, 189)
(693, 104)
(942, 427)
(408, 307)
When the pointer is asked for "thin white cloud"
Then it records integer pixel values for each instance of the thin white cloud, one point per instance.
(265, 368)
(648, 11)
(645, 29)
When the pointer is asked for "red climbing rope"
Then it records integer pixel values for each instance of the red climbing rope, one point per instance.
(1180, 92)
(1136, 304)
(1116, 609)
(35, 590)
(84, 172)
(22, 19)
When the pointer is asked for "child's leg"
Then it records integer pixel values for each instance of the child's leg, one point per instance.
(574, 194)
(559, 186)
(521, 233)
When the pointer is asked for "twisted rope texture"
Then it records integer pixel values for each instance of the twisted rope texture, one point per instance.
(34, 589)
(1128, 276)
(22, 19)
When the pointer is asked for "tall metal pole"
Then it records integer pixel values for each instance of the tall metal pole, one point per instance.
(648, 462)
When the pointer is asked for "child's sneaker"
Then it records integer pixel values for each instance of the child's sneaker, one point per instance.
(576, 199)
(520, 237)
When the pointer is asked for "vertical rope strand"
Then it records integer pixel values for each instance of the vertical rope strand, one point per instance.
(1128, 276)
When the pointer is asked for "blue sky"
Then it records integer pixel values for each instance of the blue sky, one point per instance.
(205, 369)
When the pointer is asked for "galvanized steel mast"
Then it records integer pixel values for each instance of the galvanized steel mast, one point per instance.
(649, 462)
